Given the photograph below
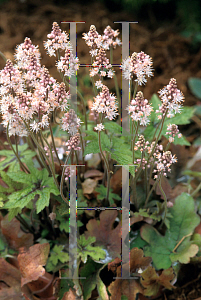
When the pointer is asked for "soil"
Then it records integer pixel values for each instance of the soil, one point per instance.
(173, 55)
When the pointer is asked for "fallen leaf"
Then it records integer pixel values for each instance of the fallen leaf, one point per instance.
(116, 181)
(127, 287)
(152, 282)
(130, 287)
(11, 277)
(114, 264)
(94, 174)
(43, 286)
(89, 185)
(31, 262)
(104, 232)
(138, 261)
(15, 237)
(70, 295)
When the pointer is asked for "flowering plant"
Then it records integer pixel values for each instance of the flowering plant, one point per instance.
(36, 108)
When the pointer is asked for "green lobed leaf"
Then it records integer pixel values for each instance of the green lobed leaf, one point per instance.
(183, 118)
(56, 255)
(11, 186)
(64, 223)
(103, 192)
(13, 212)
(65, 284)
(38, 183)
(11, 160)
(182, 224)
(85, 249)
(89, 270)
(144, 213)
(179, 119)
(115, 128)
(91, 147)
(181, 141)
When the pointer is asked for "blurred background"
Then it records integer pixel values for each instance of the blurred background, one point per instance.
(167, 30)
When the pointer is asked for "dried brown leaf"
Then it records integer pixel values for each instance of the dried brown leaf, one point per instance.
(70, 295)
(89, 185)
(138, 261)
(130, 287)
(11, 277)
(104, 232)
(43, 287)
(116, 181)
(127, 287)
(114, 264)
(152, 281)
(31, 262)
(93, 173)
(15, 237)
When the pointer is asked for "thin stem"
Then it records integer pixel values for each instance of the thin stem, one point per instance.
(166, 148)
(106, 164)
(82, 145)
(54, 146)
(111, 55)
(118, 95)
(62, 178)
(52, 158)
(116, 85)
(157, 139)
(42, 156)
(16, 154)
(196, 190)
(147, 199)
(162, 122)
(43, 152)
(133, 141)
(150, 174)
(24, 223)
(135, 90)
(92, 81)
(157, 129)
(135, 193)
(77, 91)
(30, 143)
(16, 144)
(145, 180)
(179, 243)
(165, 199)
